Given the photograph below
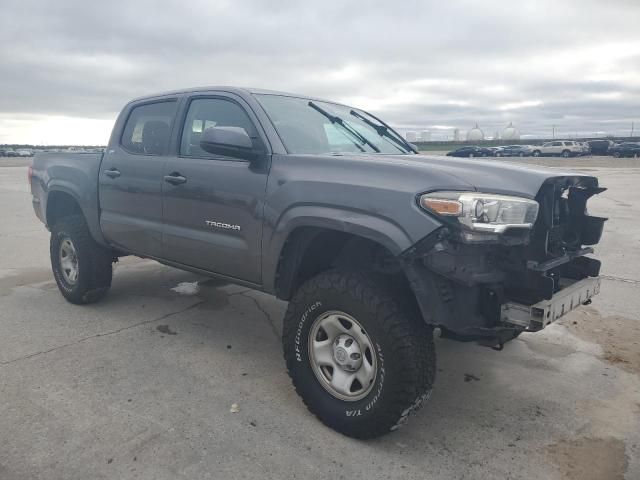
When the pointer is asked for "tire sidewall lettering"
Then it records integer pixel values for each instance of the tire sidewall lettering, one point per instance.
(376, 394)
(378, 390)
(301, 324)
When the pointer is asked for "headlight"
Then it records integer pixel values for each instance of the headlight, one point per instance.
(482, 212)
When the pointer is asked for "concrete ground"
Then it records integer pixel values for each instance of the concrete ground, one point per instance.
(141, 384)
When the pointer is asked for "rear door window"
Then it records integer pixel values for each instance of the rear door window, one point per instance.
(148, 128)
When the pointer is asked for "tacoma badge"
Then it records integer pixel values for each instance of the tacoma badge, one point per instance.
(226, 226)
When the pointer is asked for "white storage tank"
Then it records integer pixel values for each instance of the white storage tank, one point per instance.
(475, 134)
(510, 132)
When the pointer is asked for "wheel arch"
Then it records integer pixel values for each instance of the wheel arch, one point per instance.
(314, 244)
(61, 202)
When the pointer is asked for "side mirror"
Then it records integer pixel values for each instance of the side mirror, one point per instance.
(229, 141)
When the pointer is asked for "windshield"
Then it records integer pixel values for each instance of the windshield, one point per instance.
(319, 127)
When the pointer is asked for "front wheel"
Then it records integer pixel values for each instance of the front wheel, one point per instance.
(566, 153)
(536, 153)
(82, 268)
(359, 360)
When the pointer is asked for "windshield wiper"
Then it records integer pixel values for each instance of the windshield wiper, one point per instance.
(384, 131)
(337, 120)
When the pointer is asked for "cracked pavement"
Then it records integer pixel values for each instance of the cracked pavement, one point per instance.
(140, 385)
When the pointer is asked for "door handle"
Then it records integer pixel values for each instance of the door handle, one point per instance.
(175, 179)
(112, 173)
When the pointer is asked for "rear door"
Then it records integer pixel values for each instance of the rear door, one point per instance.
(213, 204)
(130, 180)
(556, 148)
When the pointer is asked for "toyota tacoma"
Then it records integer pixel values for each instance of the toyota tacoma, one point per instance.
(327, 207)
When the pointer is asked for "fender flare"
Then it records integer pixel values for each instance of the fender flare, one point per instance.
(378, 229)
(90, 215)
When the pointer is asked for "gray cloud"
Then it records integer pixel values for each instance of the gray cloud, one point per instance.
(574, 64)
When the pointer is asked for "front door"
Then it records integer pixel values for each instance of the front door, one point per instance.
(213, 204)
(130, 179)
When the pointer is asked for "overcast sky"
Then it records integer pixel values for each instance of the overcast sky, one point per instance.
(68, 66)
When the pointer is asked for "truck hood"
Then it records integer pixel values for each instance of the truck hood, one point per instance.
(490, 176)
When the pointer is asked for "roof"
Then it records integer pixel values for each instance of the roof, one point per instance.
(236, 90)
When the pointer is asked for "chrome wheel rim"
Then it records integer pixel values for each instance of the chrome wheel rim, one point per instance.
(342, 356)
(68, 261)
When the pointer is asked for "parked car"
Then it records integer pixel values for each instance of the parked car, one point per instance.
(24, 152)
(586, 148)
(626, 149)
(471, 151)
(564, 148)
(495, 151)
(515, 151)
(600, 147)
(327, 207)
(10, 153)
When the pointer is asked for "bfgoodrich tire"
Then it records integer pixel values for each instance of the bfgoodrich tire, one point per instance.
(360, 362)
(81, 267)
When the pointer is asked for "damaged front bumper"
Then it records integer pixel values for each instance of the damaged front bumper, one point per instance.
(535, 317)
(490, 292)
(472, 293)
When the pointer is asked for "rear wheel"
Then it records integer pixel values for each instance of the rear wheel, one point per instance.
(471, 155)
(81, 267)
(536, 153)
(521, 154)
(361, 363)
(566, 153)
(617, 154)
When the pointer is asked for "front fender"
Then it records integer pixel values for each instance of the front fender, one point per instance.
(381, 230)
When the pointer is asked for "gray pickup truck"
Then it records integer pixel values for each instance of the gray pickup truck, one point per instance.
(327, 207)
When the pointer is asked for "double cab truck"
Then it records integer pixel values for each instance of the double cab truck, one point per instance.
(327, 207)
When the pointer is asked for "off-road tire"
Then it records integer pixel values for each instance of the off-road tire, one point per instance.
(94, 262)
(404, 351)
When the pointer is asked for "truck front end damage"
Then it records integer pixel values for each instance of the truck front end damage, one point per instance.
(488, 277)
